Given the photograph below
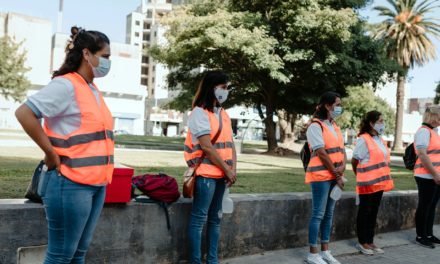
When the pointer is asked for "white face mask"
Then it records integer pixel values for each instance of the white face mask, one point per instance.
(380, 128)
(103, 67)
(337, 111)
(221, 94)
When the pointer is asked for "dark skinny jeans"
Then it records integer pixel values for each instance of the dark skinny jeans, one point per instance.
(429, 194)
(366, 217)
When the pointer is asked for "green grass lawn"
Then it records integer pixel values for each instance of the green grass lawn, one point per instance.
(256, 173)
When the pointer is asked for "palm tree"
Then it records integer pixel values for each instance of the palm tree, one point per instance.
(405, 34)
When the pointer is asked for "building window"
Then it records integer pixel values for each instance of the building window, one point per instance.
(136, 34)
(145, 59)
(138, 23)
(147, 25)
(154, 68)
(144, 71)
(152, 92)
(144, 81)
(152, 80)
(149, 14)
(136, 44)
(155, 33)
(146, 37)
(169, 1)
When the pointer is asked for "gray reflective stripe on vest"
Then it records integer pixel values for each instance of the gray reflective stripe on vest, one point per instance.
(433, 151)
(80, 139)
(86, 162)
(372, 167)
(322, 167)
(219, 145)
(330, 151)
(208, 161)
(420, 165)
(192, 162)
(369, 183)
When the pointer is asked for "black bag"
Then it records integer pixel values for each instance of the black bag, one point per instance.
(410, 157)
(306, 152)
(32, 189)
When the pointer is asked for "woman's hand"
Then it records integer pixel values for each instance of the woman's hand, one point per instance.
(231, 177)
(340, 182)
(436, 179)
(52, 161)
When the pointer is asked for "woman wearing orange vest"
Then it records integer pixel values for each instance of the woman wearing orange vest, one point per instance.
(325, 170)
(77, 139)
(209, 122)
(371, 158)
(427, 176)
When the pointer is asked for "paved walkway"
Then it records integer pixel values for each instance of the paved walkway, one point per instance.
(399, 248)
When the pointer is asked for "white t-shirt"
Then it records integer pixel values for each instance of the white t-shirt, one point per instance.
(56, 103)
(421, 141)
(314, 134)
(361, 152)
(198, 123)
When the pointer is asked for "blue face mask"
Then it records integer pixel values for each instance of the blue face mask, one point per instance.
(380, 128)
(337, 111)
(102, 69)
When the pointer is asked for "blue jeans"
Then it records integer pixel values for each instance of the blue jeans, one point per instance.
(322, 212)
(72, 212)
(207, 205)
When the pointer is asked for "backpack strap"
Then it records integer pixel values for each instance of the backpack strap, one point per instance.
(162, 205)
(213, 140)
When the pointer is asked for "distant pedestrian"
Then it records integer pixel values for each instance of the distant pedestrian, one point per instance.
(427, 176)
(371, 159)
(325, 170)
(208, 122)
(77, 138)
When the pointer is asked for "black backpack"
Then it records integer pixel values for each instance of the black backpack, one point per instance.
(410, 157)
(305, 152)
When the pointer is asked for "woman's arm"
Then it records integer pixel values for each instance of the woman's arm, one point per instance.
(32, 127)
(214, 157)
(354, 164)
(427, 164)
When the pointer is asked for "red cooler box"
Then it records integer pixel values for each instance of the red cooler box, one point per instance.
(119, 191)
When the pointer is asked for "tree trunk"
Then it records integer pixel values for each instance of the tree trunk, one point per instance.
(270, 126)
(400, 95)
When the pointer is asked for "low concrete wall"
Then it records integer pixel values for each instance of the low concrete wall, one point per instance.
(137, 233)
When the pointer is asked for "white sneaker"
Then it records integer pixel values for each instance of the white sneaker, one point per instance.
(328, 257)
(378, 250)
(363, 250)
(314, 259)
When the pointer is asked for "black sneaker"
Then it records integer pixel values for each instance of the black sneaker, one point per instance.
(424, 242)
(434, 239)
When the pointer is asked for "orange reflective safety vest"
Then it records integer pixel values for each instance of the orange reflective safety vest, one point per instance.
(433, 152)
(334, 146)
(374, 175)
(86, 154)
(223, 146)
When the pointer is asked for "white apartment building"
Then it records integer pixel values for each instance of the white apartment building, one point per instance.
(121, 88)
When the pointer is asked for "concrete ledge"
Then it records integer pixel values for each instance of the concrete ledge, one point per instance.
(137, 233)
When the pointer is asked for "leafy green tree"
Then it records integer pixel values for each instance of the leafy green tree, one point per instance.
(359, 101)
(281, 55)
(405, 34)
(13, 83)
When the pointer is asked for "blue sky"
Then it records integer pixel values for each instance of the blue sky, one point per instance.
(109, 16)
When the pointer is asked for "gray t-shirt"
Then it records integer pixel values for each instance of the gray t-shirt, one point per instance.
(56, 103)
(421, 141)
(198, 123)
(361, 152)
(314, 134)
